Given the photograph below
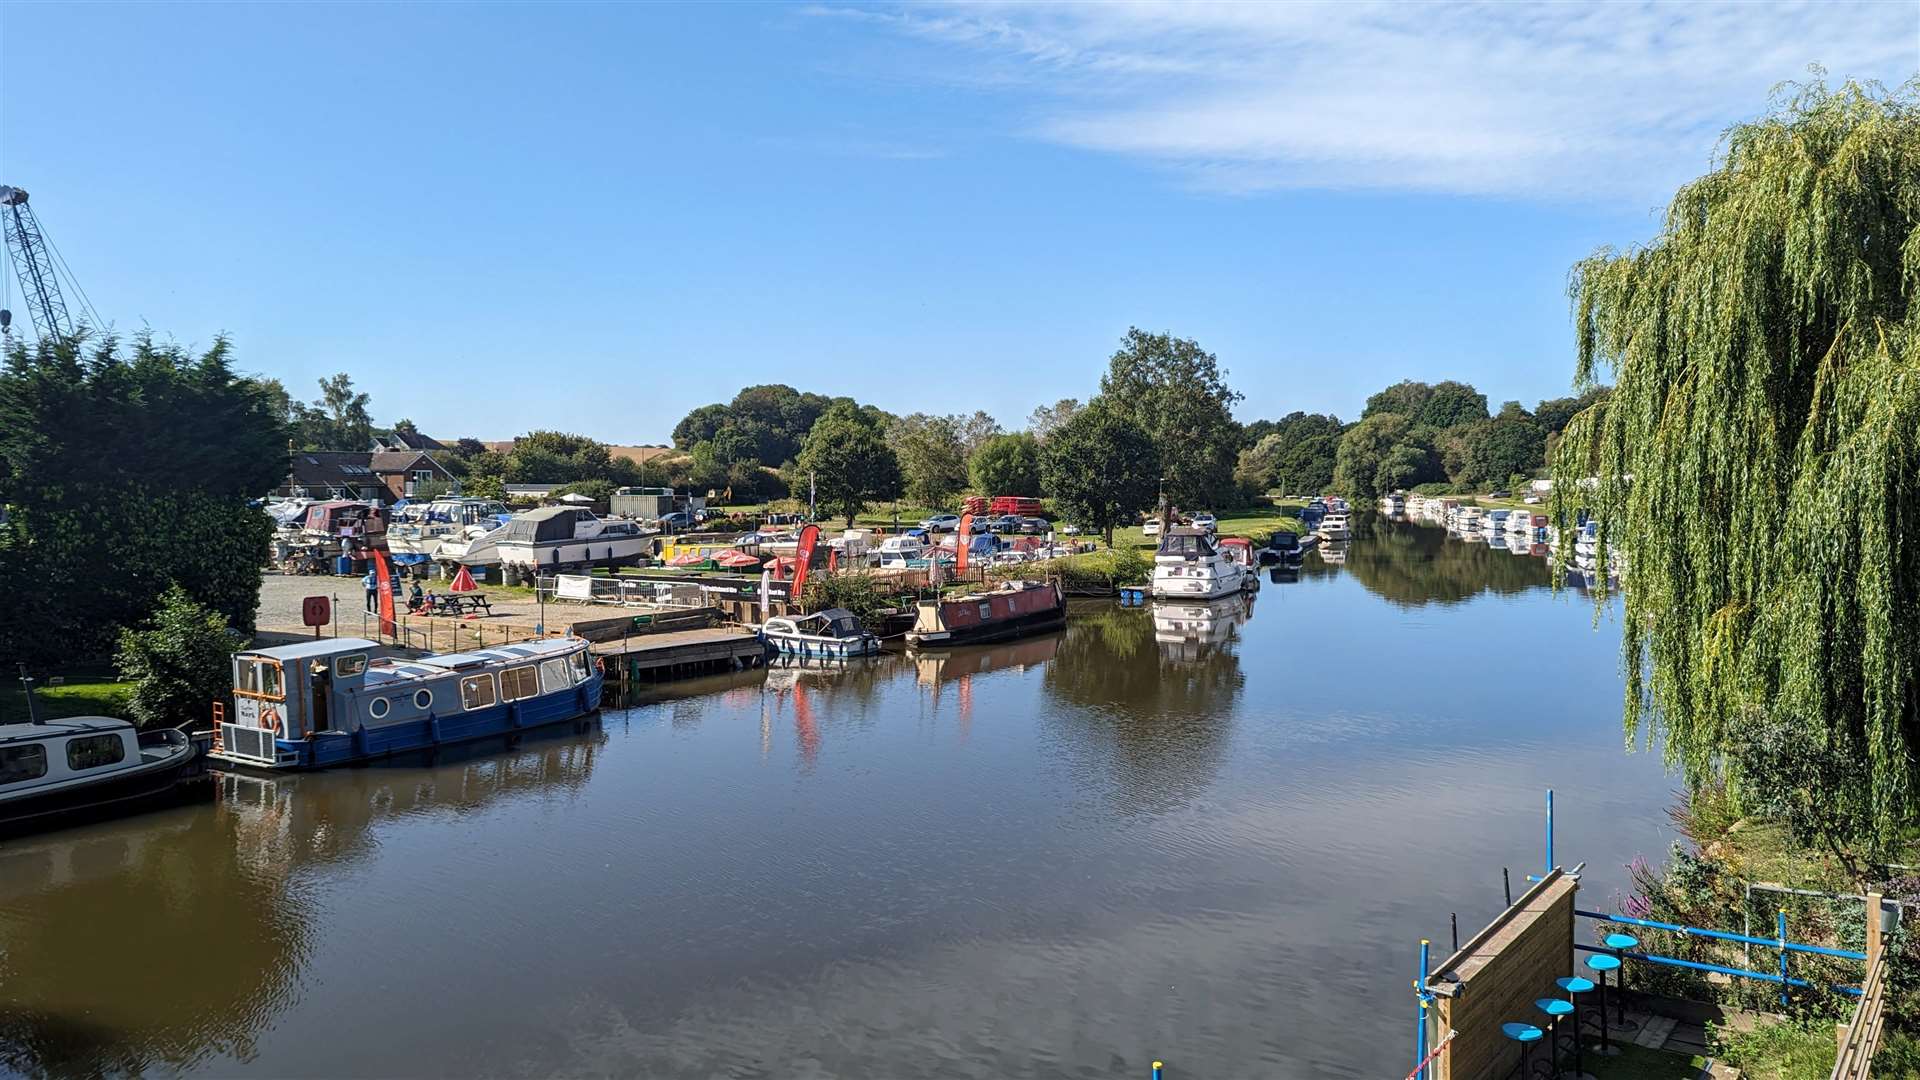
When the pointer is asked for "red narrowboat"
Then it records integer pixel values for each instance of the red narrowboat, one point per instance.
(1010, 610)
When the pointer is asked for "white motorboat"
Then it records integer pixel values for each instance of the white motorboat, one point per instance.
(1335, 526)
(1190, 564)
(835, 633)
(419, 528)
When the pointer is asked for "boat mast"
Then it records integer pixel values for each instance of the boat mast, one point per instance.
(26, 684)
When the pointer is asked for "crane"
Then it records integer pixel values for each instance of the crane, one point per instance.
(37, 266)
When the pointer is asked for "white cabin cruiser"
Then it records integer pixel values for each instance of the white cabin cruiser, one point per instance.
(1335, 526)
(59, 771)
(1190, 565)
(565, 536)
(419, 529)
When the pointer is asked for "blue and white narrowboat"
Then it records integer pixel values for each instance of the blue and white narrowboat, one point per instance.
(334, 702)
(835, 633)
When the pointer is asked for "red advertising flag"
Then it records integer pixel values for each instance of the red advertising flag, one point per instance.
(383, 577)
(803, 558)
(961, 538)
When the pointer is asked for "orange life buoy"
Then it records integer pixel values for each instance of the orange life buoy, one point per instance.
(600, 662)
(270, 720)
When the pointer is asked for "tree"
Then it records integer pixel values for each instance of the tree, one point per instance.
(975, 430)
(1045, 419)
(1100, 468)
(850, 461)
(350, 425)
(1383, 439)
(1174, 390)
(1007, 465)
(933, 462)
(1495, 450)
(180, 662)
(1758, 462)
(1295, 453)
(125, 470)
(1451, 404)
(1405, 398)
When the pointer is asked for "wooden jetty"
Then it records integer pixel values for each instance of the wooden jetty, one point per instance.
(663, 645)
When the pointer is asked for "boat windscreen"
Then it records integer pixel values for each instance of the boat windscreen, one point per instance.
(1186, 545)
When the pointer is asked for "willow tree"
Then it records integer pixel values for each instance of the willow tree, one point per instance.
(1758, 463)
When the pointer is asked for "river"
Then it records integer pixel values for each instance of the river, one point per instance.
(1216, 844)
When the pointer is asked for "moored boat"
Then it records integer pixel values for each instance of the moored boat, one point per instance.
(332, 702)
(60, 772)
(1191, 565)
(1334, 526)
(1012, 609)
(835, 633)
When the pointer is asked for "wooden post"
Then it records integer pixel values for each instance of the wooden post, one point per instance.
(1875, 902)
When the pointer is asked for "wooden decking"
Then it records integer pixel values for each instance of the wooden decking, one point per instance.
(673, 653)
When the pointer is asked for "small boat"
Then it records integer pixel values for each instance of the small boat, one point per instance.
(1283, 548)
(61, 772)
(902, 552)
(1334, 526)
(331, 701)
(834, 633)
(419, 528)
(1190, 565)
(1013, 609)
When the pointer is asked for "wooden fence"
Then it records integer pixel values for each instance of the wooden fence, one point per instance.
(1860, 1038)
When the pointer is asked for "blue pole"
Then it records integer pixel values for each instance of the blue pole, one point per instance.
(1549, 868)
(1420, 1017)
(1783, 956)
(1156, 1071)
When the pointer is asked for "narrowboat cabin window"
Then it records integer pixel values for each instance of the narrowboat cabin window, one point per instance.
(553, 675)
(580, 671)
(520, 682)
(423, 699)
(986, 611)
(476, 691)
(18, 763)
(247, 678)
(350, 665)
(378, 708)
(270, 685)
(261, 678)
(94, 751)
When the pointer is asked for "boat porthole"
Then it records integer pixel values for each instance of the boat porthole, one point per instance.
(378, 707)
(422, 699)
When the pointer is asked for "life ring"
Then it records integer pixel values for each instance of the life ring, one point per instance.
(600, 663)
(270, 720)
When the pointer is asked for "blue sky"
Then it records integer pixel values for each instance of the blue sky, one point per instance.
(595, 217)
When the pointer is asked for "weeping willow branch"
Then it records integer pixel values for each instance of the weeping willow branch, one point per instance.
(1758, 464)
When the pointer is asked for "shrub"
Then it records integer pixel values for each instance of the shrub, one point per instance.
(179, 663)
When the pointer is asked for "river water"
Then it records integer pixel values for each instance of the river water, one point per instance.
(1214, 841)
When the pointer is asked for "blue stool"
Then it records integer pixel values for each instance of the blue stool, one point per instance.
(1619, 943)
(1601, 964)
(1574, 985)
(1557, 1010)
(1526, 1035)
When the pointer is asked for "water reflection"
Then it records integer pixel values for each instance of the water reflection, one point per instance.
(1191, 629)
(175, 938)
(1412, 564)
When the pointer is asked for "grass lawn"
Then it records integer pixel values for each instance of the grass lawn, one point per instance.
(1640, 1063)
(76, 698)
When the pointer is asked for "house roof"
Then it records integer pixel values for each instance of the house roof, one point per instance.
(400, 440)
(387, 462)
(325, 469)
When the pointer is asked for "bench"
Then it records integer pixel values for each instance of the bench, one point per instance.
(461, 604)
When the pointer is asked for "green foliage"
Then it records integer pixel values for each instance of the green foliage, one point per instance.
(764, 424)
(850, 461)
(126, 470)
(1766, 349)
(1099, 468)
(1382, 453)
(866, 595)
(1007, 465)
(598, 490)
(1785, 1050)
(1045, 419)
(1176, 392)
(338, 420)
(1493, 451)
(933, 459)
(179, 663)
(1098, 573)
(429, 489)
(1293, 454)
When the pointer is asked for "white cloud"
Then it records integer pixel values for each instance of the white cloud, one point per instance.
(1550, 100)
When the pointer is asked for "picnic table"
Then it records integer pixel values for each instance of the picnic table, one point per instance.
(460, 604)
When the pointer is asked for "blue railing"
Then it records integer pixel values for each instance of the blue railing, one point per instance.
(1778, 942)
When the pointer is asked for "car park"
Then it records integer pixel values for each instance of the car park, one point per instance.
(941, 523)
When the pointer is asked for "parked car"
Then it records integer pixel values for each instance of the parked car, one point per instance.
(1034, 526)
(1069, 529)
(1206, 521)
(1151, 528)
(679, 519)
(941, 523)
(1500, 495)
(1006, 523)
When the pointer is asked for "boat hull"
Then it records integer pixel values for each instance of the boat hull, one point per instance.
(328, 749)
(184, 780)
(813, 646)
(1019, 626)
